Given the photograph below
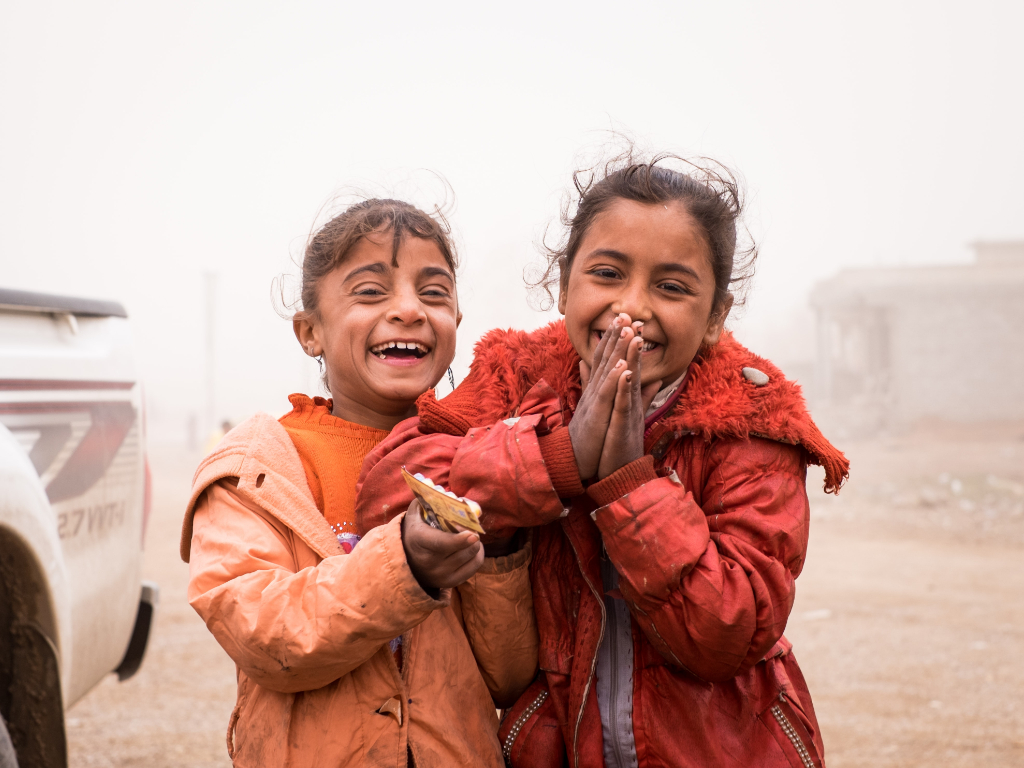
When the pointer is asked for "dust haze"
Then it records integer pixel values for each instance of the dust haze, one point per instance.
(144, 147)
(175, 157)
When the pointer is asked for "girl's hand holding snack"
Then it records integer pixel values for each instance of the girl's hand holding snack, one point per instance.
(437, 559)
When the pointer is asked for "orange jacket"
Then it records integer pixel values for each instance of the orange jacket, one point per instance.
(308, 626)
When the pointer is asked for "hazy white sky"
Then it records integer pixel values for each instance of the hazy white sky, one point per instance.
(143, 145)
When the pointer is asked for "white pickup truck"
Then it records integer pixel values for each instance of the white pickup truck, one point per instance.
(74, 498)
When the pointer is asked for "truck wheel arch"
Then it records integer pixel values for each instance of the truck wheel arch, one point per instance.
(30, 682)
(33, 614)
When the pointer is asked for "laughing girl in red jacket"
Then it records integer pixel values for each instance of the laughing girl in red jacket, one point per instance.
(661, 468)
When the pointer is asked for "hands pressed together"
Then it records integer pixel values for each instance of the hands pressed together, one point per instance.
(607, 430)
(607, 433)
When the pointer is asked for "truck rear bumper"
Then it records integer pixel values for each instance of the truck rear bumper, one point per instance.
(140, 634)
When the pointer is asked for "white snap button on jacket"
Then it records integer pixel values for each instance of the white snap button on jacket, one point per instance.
(756, 377)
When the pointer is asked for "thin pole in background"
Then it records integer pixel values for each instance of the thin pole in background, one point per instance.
(823, 362)
(211, 371)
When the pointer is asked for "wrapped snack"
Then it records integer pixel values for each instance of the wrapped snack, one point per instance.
(443, 509)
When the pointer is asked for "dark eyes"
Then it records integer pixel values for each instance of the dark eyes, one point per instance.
(675, 288)
(607, 273)
(433, 293)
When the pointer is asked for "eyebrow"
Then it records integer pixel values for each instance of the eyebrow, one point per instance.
(437, 272)
(668, 266)
(378, 268)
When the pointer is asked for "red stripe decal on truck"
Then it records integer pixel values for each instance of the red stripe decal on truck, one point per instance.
(110, 425)
(10, 385)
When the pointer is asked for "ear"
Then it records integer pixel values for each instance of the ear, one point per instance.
(306, 332)
(458, 319)
(716, 323)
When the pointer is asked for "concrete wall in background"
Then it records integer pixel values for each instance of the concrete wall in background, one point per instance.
(898, 345)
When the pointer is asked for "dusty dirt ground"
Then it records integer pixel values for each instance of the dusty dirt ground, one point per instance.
(908, 623)
(174, 711)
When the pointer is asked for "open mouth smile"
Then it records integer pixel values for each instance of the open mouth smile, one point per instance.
(400, 350)
(649, 346)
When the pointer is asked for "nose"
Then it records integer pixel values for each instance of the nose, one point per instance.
(634, 300)
(405, 307)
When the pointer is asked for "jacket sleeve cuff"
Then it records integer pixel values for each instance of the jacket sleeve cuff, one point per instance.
(435, 417)
(623, 481)
(560, 460)
(508, 563)
(403, 581)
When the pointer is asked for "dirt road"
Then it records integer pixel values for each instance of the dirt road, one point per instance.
(908, 624)
(175, 711)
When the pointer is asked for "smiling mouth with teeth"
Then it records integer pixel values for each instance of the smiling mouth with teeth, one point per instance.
(647, 347)
(400, 349)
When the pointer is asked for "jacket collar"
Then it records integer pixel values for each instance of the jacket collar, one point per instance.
(261, 456)
(729, 392)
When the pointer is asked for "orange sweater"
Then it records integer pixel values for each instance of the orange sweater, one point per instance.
(308, 626)
(332, 452)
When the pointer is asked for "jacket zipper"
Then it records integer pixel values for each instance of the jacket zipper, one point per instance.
(402, 675)
(600, 638)
(614, 692)
(517, 726)
(794, 737)
(593, 661)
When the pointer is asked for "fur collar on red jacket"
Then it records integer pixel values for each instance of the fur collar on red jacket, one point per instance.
(717, 401)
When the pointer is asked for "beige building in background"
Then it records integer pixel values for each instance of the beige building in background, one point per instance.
(896, 345)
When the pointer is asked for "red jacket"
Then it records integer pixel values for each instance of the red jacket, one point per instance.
(708, 533)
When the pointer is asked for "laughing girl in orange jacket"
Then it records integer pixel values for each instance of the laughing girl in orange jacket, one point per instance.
(386, 650)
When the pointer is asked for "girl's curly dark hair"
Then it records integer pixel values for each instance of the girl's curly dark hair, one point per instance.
(709, 191)
(330, 245)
